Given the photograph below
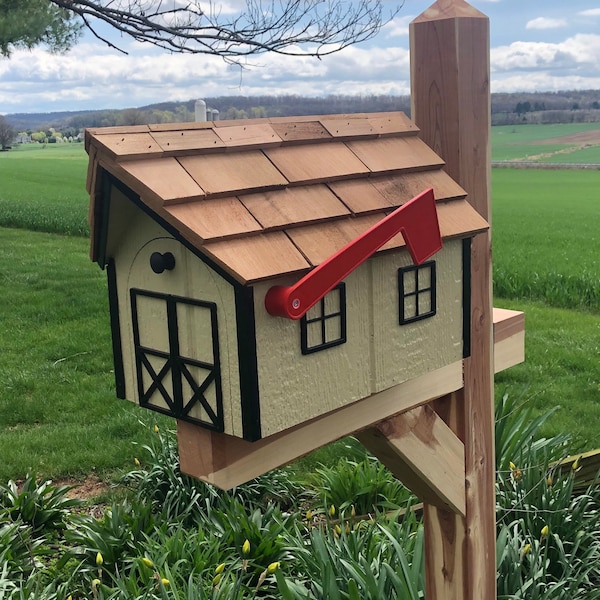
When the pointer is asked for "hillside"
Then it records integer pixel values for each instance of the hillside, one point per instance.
(507, 109)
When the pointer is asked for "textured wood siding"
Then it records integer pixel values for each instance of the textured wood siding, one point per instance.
(378, 354)
(191, 278)
(295, 387)
(407, 351)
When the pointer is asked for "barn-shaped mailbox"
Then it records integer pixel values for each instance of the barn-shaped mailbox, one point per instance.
(195, 223)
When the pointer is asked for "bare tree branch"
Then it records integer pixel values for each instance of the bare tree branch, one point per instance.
(292, 27)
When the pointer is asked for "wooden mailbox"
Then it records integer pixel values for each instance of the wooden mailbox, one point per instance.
(276, 284)
(197, 223)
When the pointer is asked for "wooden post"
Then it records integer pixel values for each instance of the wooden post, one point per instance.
(451, 106)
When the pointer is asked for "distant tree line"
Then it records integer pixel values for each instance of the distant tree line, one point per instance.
(579, 106)
(507, 109)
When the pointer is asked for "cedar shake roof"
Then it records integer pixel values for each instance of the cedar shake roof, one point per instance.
(269, 197)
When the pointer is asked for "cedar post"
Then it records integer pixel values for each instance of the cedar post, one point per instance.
(451, 106)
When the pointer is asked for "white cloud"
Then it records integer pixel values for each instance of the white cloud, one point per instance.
(546, 23)
(592, 12)
(581, 50)
(397, 27)
(535, 82)
(94, 76)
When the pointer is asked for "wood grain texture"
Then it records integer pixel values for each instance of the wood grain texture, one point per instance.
(318, 242)
(326, 183)
(293, 206)
(300, 131)
(215, 219)
(252, 259)
(187, 139)
(445, 532)
(226, 173)
(248, 135)
(384, 124)
(395, 154)
(451, 105)
(129, 145)
(390, 191)
(507, 323)
(227, 461)
(509, 338)
(347, 128)
(317, 163)
(509, 352)
(422, 452)
(164, 177)
(399, 188)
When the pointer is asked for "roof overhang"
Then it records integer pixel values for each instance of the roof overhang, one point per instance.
(271, 197)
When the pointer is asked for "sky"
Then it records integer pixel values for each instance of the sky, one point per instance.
(536, 45)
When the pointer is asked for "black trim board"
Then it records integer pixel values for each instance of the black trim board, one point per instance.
(466, 296)
(115, 329)
(104, 214)
(247, 363)
(176, 365)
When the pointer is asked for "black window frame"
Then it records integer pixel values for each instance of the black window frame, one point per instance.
(322, 318)
(417, 292)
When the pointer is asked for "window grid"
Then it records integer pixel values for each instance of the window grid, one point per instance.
(417, 291)
(326, 313)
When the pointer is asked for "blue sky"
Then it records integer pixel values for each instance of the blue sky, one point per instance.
(536, 45)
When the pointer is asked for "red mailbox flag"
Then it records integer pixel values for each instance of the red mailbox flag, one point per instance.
(416, 220)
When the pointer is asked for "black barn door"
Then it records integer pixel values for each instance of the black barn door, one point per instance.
(177, 357)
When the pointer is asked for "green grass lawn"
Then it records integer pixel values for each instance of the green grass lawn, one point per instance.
(584, 156)
(58, 411)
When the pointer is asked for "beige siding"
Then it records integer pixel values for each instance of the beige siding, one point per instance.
(379, 353)
(407, 351)
(191, 278)
(295, 388)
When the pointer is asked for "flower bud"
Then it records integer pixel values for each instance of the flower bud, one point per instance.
(220, 568)
(273, 567)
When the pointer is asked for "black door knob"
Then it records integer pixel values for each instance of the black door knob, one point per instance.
(162, 262)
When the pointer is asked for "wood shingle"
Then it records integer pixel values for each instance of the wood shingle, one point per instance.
(269, 197)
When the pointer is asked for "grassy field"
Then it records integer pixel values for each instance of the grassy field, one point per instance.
(43, 188)
(546, 236)
(58, 413)
(528, 142)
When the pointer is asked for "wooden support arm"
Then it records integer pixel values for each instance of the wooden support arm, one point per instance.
(422, 452)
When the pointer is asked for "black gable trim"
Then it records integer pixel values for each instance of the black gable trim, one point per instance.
(170, 229)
